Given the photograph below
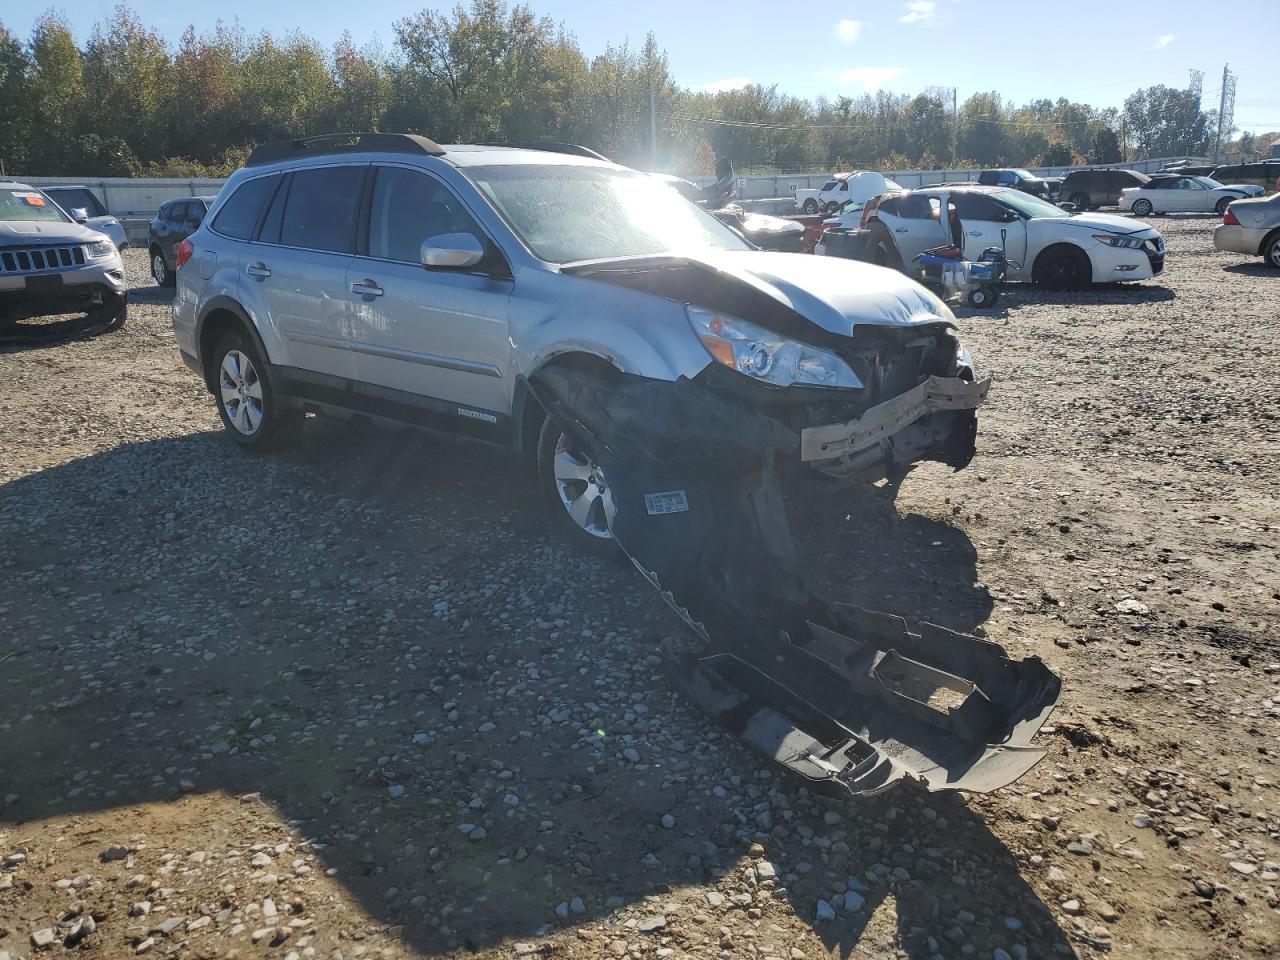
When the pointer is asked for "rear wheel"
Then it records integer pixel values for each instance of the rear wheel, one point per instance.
(811, 206)
(1063, 268)
(164, 277)
(248, 407)
(1081, 200)
(1142, 208)
(1223, 204)
(576, 493)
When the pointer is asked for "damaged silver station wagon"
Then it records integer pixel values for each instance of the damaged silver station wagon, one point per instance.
(668, 379)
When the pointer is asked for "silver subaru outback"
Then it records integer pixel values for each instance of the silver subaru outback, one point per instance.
(497, 291)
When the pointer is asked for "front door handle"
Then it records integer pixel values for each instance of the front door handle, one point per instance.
(975, 233)
(366, 288)
(900, 230)
(259, 271)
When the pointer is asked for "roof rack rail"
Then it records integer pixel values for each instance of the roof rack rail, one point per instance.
(332, 143)
(553, 146)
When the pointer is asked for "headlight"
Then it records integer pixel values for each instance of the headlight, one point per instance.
(100, 249)
(765, 355)
(1115, 240)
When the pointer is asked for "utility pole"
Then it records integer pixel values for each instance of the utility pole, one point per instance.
(1124, 141)
(955, 124)
(653, 128)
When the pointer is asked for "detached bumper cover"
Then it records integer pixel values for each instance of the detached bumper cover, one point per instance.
(695, 479)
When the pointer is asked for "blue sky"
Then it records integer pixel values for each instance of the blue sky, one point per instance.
(1025, 50)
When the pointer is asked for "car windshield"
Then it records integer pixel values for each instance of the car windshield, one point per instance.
(1207, 182)
(28, 205)
(570, 213)
(1025, 175)
(1031, 207)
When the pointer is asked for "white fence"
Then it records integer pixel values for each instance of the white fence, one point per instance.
(135, 201)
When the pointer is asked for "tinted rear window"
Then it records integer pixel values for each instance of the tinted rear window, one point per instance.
(322, 209)
(239, 216)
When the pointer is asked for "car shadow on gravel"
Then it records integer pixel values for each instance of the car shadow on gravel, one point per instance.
(1252, 269)
(373, 634)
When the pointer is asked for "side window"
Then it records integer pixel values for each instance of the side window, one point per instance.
(1007, 179)
(829, 185)
(322, 209)
(409, 207)
(195, 214)
(917, 206)
(178, 212)
(239, 215)
(975, 206)
(844, 186)
(889, 205)
(270, 232)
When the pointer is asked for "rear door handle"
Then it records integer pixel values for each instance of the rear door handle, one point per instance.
(366, 288)
(900, 230)
(975, 233)
(259, 271)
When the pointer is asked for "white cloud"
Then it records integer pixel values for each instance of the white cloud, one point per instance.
(1165, 40)
(848, 31)
(869, 78)
(923, 12)
(725, 85)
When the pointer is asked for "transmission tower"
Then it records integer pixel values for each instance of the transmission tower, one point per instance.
(1226, 109)
(1197, 84)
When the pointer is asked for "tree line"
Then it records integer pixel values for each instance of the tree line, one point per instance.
(128, 103)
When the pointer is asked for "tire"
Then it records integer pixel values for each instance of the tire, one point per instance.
(980, 298)
(1271, 251)
(571, 487)
(1081, 200)
(1225, 202)
(831, 207)
(114, 312)
(160, 272)
(810, 206)
(1142, 208)
(1063, 268)
(247, 405)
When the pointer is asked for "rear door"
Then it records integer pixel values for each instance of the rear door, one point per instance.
(439, 334)
(915, 221)
(297, 269)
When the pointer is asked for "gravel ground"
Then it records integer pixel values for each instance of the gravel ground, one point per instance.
(354, 701)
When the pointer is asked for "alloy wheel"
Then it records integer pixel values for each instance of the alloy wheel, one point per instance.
(159, 269)
(241, 391)
(583, 490)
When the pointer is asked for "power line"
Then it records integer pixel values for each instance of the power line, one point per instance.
(768, 125)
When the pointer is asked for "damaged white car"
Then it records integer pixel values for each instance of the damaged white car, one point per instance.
(667, 376)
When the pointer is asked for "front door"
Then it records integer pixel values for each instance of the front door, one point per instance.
(987, 223)
(439, 334)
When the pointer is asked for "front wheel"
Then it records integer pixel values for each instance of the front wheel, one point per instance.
(1142, 208)
(1223, 204)
(1081, 200)
(1271, 252)
(1063, 268)
(575, 491)
(247, 406)
(981, 298)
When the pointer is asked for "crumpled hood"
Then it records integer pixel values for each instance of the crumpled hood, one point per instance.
(834, 293)
(15, 232)
(1110, 222)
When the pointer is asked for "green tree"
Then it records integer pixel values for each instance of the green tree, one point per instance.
(1166, 122)
(15, 114)
(129, 70)
(1105, 147)
(55, 88)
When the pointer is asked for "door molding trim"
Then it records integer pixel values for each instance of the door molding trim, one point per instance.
(426, 359)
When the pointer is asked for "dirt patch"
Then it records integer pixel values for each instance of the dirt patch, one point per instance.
(353, 700)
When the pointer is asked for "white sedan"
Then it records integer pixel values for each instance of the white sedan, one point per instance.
(1042, 243)
(1183, 195)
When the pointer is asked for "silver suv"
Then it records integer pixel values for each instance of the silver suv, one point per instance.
(49, 264)
(465, 286)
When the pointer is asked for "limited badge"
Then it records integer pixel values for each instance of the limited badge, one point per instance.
(668, 501)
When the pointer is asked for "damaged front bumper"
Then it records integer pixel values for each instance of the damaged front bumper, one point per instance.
(844, 450)
(850, 700)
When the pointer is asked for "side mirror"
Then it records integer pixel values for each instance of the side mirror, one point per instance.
(1010, 216)
(1068, 206)
(451, 251)
(80, 215)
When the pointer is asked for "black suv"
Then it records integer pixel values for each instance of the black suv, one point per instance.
(1023, 180)
(1090, 189)
(1262, 173)
(175, 221)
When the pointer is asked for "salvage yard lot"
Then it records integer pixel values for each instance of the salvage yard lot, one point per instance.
(352, 701)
